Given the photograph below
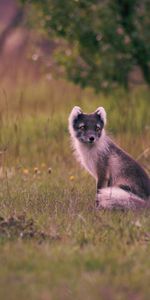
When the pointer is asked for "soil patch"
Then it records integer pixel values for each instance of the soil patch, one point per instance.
(21, 227)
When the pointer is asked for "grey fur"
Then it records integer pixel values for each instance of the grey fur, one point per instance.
(121, 181)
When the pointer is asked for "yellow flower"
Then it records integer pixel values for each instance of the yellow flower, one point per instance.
(72, 178)
(25, 171)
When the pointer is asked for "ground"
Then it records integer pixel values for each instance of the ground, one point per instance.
(53, 243)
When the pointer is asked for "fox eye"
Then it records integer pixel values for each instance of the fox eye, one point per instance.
(98, 127)
(82, 127)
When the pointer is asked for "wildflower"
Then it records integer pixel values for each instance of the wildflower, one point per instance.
(72, 178)
(127, 40)
(25, 171)
(49, 170)
(120, 30)
(35, 56)
(138, 223)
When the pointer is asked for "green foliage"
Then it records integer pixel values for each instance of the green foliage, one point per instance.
(104, 40)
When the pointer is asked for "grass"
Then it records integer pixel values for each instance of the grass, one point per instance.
(53, 244)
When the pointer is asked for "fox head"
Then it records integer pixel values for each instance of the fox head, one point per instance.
(87, 128)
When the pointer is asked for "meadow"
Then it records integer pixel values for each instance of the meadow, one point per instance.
(53, 244)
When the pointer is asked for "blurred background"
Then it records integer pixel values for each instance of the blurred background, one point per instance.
(102, 44)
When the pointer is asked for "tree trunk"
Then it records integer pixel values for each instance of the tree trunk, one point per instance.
(13, 24)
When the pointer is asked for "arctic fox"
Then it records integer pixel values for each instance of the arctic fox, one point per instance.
(121, 181)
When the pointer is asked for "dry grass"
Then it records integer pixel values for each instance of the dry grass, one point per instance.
(53, 244)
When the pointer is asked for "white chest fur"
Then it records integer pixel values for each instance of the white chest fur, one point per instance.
(88, 157)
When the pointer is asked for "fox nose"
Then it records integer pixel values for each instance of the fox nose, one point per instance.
(91, 139)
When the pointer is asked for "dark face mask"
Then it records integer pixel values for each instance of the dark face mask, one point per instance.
(88, 128)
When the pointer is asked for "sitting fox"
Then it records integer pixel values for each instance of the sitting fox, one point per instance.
(121, 181)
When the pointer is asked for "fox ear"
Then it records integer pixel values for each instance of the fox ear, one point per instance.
(74, 113)
(102, 113)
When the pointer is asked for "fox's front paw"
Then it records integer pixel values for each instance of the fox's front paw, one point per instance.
(100, 203)
(103, 202)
